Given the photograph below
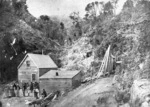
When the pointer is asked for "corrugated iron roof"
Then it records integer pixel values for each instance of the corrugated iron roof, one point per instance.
(42, 61)
(61, 74)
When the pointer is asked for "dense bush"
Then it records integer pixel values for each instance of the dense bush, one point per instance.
(20, 32)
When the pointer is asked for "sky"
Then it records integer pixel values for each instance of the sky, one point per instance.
(61, 8)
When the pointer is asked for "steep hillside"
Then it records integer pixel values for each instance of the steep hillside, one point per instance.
(20, 32)
(128, 35)
(78, 55)
(87, 96)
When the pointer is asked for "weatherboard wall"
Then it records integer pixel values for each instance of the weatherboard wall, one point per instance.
(76, 80)
(25, 72)
(61, 84)
(54, 84)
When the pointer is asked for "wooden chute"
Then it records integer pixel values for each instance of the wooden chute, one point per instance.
(107, 64)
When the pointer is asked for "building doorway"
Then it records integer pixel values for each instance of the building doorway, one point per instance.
(33, 77)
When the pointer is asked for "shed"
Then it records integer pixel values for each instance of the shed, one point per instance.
(60, 80)
(33, 66)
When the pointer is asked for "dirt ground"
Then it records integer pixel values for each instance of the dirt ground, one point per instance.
(87, 96)
(16, 101)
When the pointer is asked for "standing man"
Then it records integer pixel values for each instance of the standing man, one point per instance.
(18, 90)
(24, 89)
(28, 90)
(15, 88)
(31, 87)
(12, 92)
(36, 93)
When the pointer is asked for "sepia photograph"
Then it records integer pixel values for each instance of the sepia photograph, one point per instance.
(74, 53)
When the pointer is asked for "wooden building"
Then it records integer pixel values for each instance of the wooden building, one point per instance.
(60, 80)
(33, 66)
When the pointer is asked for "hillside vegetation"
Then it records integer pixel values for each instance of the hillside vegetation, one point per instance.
(20, 32)
(127, 33)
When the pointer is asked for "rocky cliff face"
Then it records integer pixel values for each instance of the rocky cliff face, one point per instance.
(140, 90)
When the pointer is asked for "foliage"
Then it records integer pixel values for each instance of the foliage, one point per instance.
(78, 56)
(127, 33)
(20, 33)
(95, 9)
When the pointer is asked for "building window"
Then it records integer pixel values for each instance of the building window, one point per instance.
(28, 63)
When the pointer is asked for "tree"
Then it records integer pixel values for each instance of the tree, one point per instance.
(44, 18)
(62, 26)
(75, 30)
(94, 9)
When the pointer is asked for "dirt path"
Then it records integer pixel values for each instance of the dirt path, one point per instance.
(16, 101)
(87, 96)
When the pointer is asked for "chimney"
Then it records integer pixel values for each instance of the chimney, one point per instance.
(57, 74)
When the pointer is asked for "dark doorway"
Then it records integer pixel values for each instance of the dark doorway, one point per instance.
(33, 77)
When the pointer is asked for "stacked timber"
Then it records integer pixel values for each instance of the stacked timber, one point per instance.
(107, 64)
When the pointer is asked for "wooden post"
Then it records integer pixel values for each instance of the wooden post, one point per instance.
(42, 51)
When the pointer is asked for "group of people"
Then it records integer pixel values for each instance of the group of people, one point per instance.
(28, 88)
(33, 88)
(14, 90)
